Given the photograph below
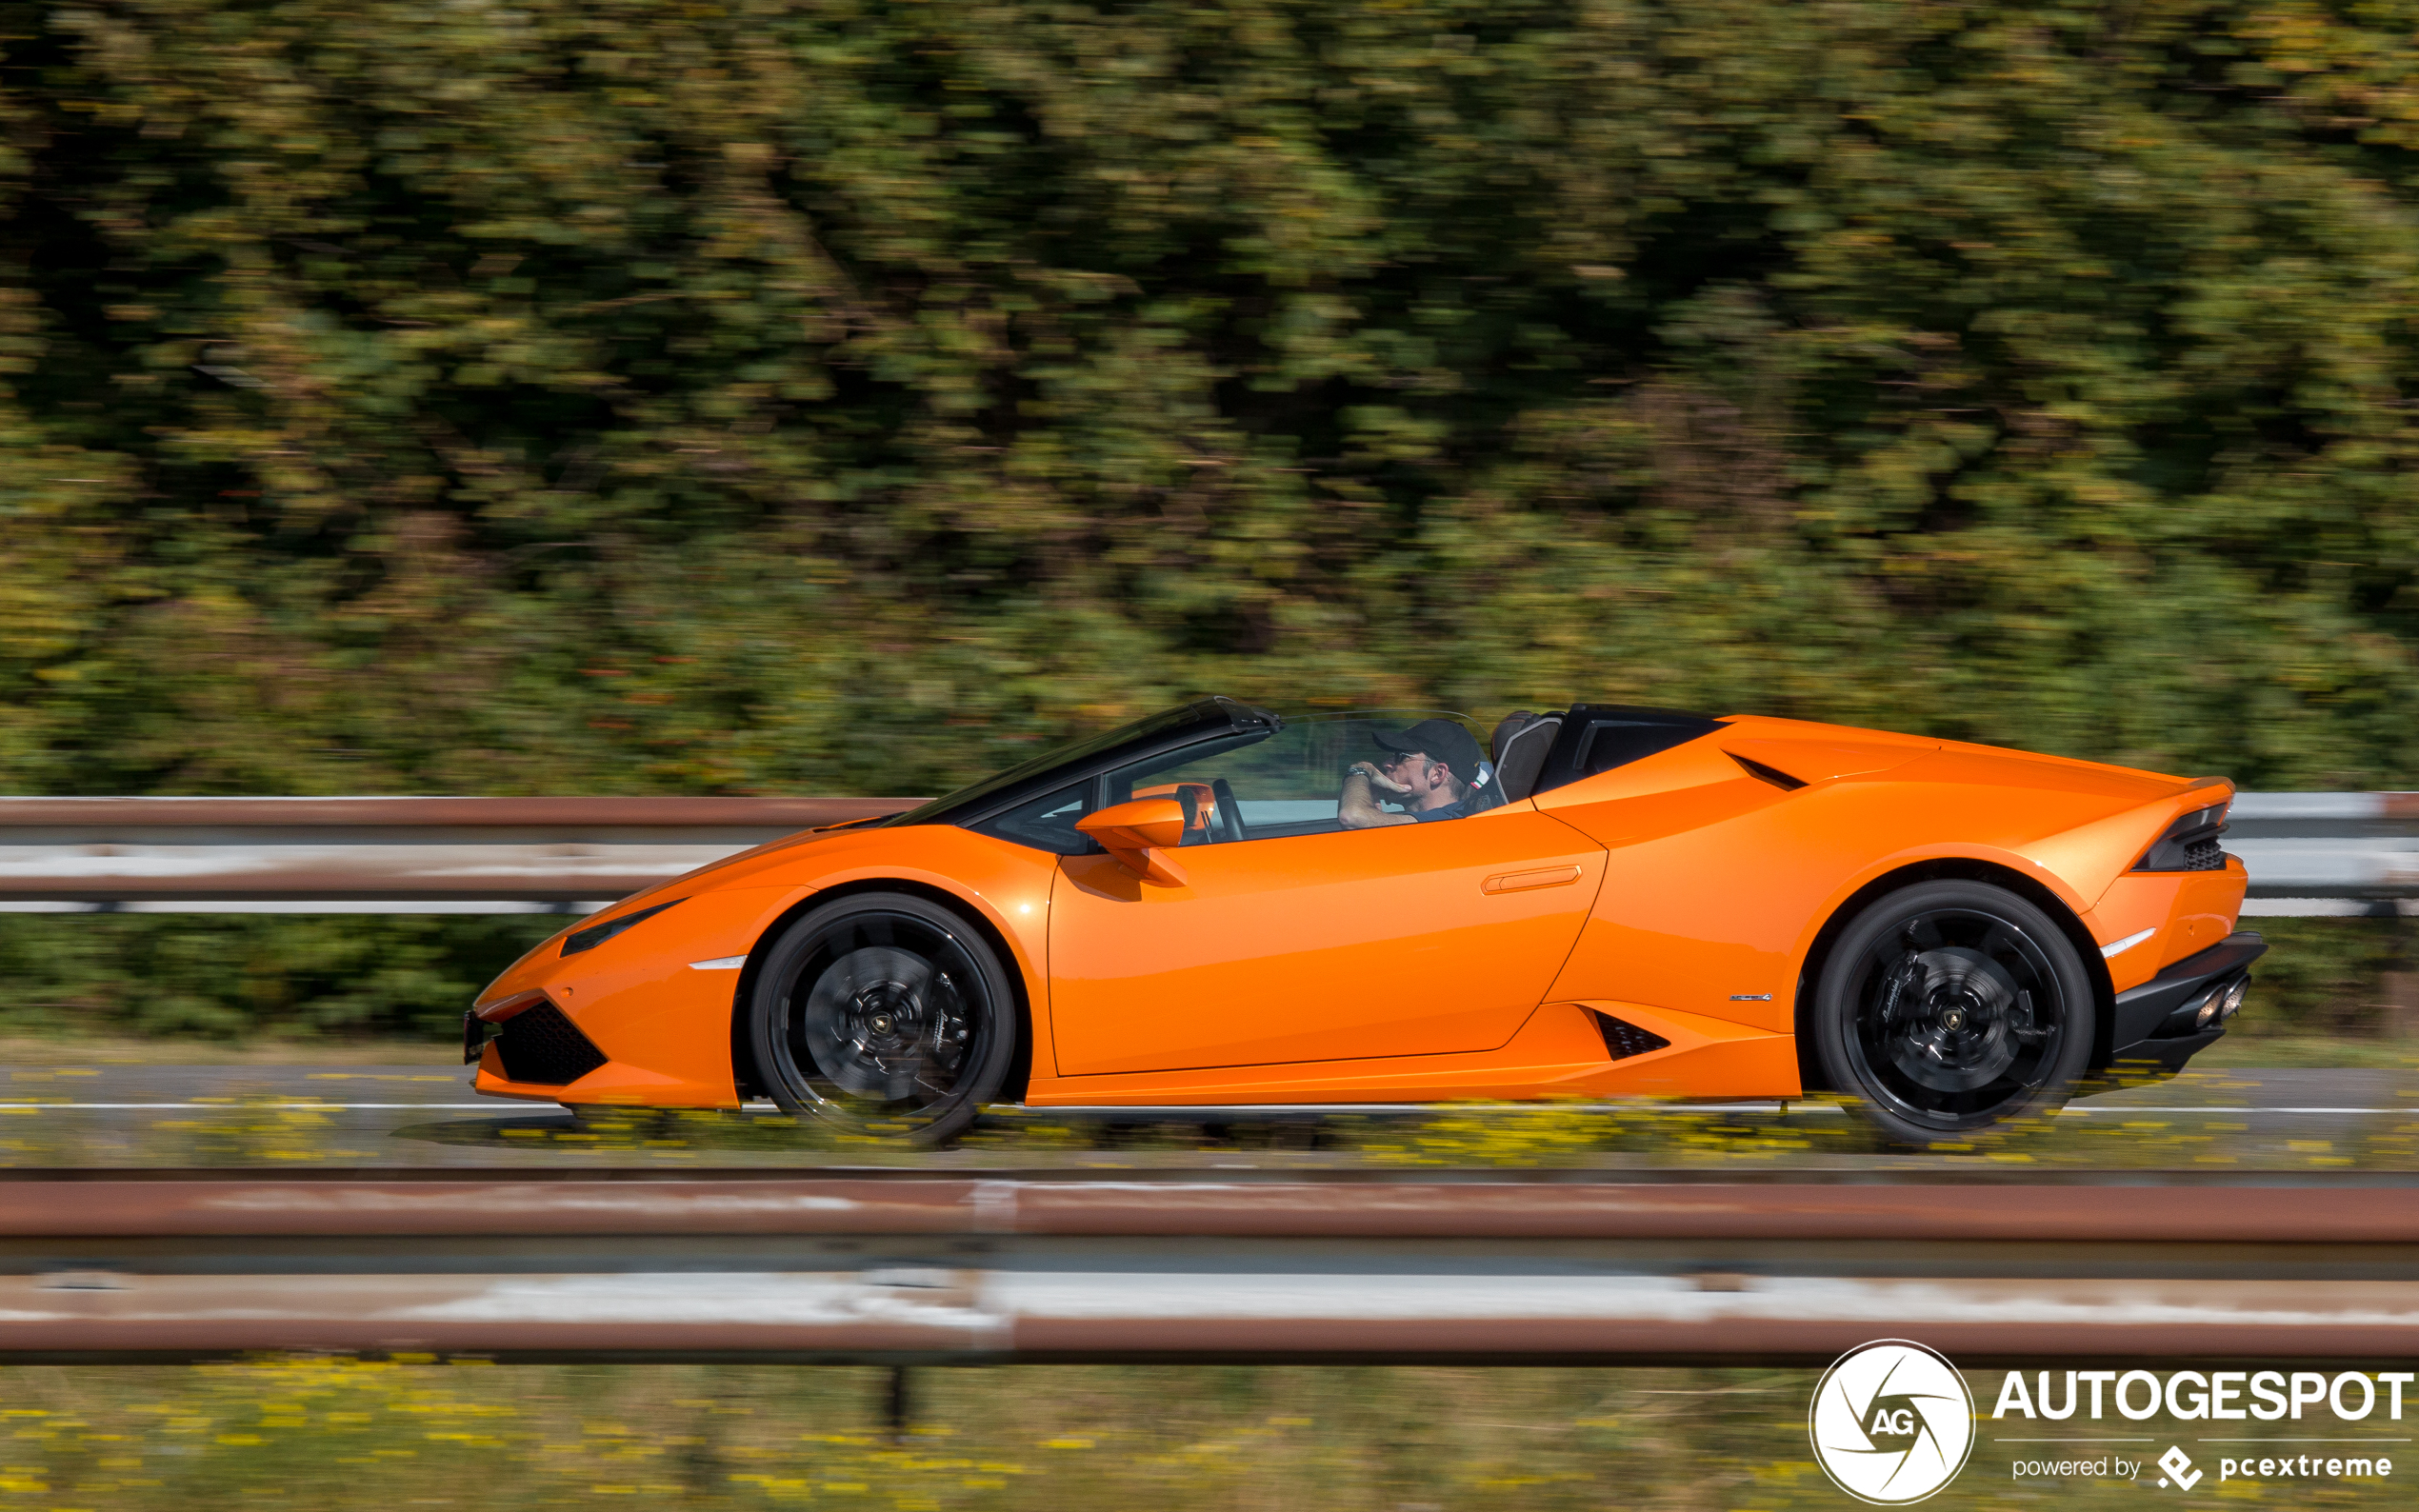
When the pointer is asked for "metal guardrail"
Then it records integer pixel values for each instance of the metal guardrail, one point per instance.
(2309, 853)
(2328, 853)
(378, 855)
(980, 1271)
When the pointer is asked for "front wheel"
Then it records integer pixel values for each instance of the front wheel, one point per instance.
(1951, 1007)
(882, 1013)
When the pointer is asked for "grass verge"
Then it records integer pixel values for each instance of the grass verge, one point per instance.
(316, 1433)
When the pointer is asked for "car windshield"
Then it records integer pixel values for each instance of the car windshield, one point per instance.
(1208, 716)
(1289, 783)
(1260, 782)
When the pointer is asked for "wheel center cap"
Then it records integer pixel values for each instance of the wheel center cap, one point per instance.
(1954, 1019)
(880, 1024)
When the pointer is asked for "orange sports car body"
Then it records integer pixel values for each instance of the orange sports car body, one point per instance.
(1619, 902)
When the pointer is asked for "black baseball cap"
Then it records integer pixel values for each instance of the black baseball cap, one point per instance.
(1439, 738)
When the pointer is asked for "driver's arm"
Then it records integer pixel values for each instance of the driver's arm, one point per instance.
(1356, 808)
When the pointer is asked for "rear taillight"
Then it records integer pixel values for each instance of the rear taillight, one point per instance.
(2190, 843)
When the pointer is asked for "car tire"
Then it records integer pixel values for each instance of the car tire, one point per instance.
(882, 1014)
(1949, 1007)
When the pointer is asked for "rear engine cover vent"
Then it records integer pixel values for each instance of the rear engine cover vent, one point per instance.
(1623, 1039)
(542, 1046)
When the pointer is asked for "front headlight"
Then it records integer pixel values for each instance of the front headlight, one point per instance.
(596, 934)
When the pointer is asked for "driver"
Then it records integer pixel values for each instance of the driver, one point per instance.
(1431, 769)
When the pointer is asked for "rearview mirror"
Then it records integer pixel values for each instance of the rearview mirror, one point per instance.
(1139, 835)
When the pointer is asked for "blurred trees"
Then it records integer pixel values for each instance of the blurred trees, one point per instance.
(242, 976)
(814, 395)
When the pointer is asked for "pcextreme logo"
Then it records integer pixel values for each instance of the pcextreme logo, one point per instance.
(1891, 1423)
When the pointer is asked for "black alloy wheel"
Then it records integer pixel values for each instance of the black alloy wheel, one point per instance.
(882, 1013)
(1951, 1007)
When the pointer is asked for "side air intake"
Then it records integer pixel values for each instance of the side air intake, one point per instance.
(543, 1048)
(1623, 1039)
(1768, 774)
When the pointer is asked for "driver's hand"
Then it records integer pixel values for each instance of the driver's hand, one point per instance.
(1378, 780)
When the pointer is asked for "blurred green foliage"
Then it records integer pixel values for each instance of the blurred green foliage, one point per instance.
(265, 976)
(2325, 976)
(814, 395)
(316, 1433)
(819, 395)
(313, 1433)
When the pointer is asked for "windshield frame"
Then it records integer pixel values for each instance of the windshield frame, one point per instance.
(1168, 730)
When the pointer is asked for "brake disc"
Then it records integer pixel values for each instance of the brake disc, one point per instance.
(1956, 1019)
(869, 1020)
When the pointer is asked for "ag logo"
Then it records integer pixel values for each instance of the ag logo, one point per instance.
(1891, 1423)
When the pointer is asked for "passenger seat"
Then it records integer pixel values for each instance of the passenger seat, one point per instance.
(1521, 742)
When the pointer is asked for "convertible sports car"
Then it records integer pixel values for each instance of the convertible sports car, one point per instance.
(1199, 908)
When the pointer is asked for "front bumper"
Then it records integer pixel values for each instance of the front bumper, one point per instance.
(533, 1041)
(2154, 1023)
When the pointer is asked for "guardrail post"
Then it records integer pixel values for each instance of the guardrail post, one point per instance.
(2398, 985)
(898, 1403)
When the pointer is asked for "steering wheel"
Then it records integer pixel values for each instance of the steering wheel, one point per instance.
(1229, 812)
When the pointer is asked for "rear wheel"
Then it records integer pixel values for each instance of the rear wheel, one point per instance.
(1951, 1007)
(882, 1013)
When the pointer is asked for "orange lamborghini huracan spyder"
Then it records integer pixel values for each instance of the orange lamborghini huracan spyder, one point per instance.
(1218, 905)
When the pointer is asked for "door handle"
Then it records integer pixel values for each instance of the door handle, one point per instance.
(1522, 881)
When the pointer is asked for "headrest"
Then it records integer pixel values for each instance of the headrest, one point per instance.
(1520, 752)
(1512, 726)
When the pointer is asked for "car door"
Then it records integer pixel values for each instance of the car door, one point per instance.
(1415, 939)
